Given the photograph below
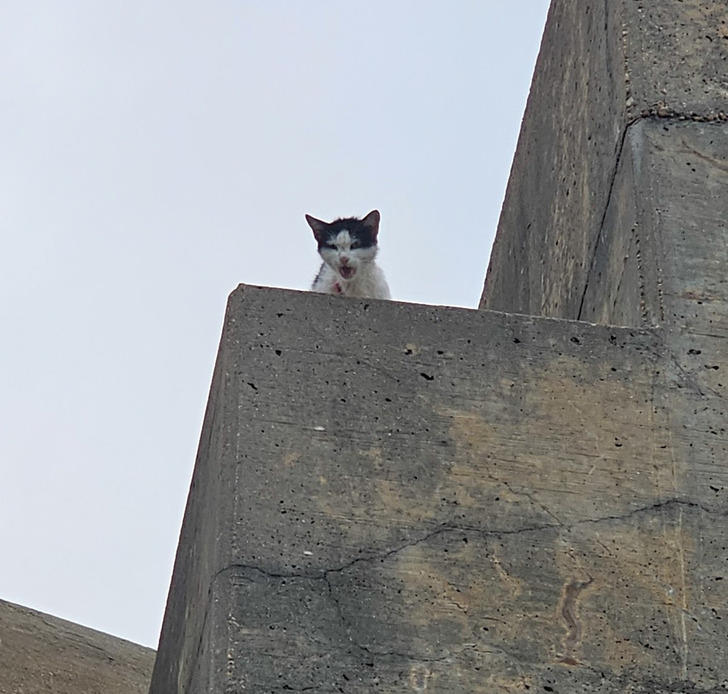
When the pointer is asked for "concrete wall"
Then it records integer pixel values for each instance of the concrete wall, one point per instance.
(421, 498)
(603, 67)
(40, 654)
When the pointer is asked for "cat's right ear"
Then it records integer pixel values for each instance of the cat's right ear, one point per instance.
(372, 221)
(318, 227)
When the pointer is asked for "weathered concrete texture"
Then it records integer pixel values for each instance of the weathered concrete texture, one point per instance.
(676, 55)
(602, 66)
(664, 246)
(657, 256)
(40, 654)
(412, 498)
(623, 285)
(559, 182)
(680, 193)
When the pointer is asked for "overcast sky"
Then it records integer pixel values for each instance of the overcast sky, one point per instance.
(153, 155)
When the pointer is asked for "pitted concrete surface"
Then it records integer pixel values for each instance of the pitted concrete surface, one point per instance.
(603, 66)
(396, 496)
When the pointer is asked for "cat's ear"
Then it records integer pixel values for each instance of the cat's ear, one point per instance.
(372, 222)
(318, 227)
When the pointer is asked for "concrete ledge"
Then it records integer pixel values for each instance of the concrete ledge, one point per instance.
(403, 494)
(41, 654)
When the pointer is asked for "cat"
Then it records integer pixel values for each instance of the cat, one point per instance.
(348, 247)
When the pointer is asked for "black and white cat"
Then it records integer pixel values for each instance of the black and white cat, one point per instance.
(348, 247)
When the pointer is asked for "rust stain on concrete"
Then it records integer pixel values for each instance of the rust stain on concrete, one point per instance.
(570, 597)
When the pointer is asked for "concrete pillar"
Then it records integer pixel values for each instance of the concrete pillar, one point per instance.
(605, 70)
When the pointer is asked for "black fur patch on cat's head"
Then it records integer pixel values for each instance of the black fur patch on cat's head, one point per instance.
(365, 230)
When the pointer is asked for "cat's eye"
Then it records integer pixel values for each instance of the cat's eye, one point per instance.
(355, 244)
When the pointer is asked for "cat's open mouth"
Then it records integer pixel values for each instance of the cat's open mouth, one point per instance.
(346, 272)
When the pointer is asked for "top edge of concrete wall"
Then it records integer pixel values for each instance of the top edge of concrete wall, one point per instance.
(411, 307)
(41, 653)
(602, 66)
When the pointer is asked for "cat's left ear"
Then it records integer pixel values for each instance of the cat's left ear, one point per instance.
(318, 227)
(372, 222)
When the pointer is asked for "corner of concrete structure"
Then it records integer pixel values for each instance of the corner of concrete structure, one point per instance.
(399, 493)
(603, 67)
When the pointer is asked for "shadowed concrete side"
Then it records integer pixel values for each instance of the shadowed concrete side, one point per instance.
(603, 67)
(418, 497)
(41, 654)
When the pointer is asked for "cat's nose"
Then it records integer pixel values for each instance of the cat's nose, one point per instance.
(344, 259)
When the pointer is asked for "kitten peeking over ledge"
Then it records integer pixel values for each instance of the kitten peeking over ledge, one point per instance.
(348, 247)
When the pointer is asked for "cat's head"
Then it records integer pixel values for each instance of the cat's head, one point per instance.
(346, 245)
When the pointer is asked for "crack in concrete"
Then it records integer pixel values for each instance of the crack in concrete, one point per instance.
(659, 111)
(608, 199)
(679, 503)
(571, 592)
(528, 495)
(417, 658)
(323, 574)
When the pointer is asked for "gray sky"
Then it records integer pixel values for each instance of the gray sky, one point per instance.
(154, 154)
